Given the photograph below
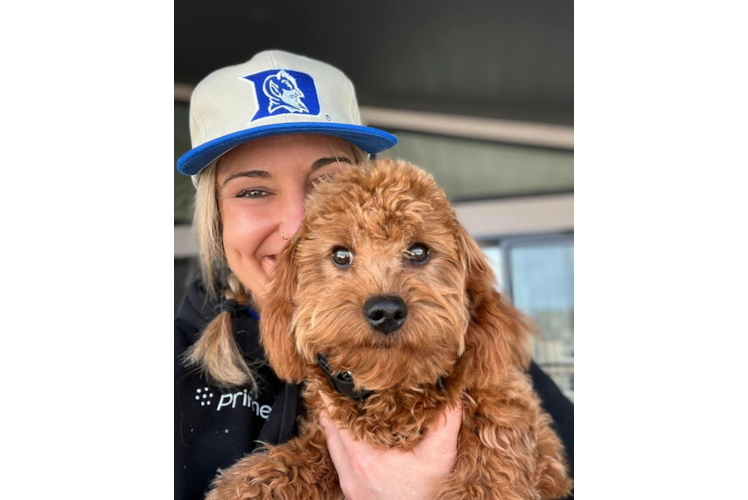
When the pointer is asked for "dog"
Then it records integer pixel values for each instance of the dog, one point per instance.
(384, 303)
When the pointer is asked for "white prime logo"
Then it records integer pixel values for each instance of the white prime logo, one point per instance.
(243, 399)
(203, 395)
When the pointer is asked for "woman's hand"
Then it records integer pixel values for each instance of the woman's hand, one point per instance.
(369, 473)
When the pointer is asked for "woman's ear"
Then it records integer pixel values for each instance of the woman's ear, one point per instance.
(276, 323)
(498, 336)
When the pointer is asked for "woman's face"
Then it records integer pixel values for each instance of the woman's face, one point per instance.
(262, 187)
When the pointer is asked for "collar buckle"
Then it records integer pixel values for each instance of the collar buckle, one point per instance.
(343, 381)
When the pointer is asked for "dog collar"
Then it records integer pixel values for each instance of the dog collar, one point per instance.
(343, 381)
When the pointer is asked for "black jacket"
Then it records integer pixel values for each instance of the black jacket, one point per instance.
(213, 427)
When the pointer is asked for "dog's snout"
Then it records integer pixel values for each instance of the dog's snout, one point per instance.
(385, 313)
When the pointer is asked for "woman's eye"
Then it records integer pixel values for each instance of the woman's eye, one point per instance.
(342, 257)
(252, 193)
(321, 178)
(418, 254)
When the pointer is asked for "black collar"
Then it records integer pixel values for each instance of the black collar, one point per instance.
(343, 381)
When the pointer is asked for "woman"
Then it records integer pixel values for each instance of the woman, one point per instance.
(263, 133)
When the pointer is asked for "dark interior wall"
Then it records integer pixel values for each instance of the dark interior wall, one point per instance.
(510, 60)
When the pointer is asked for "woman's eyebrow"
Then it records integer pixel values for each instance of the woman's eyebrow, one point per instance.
(263, 174)
(249, 173)
(326, 161)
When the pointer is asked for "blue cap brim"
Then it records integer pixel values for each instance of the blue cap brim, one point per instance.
(369, 139)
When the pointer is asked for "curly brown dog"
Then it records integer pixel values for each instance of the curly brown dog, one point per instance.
(382, 294)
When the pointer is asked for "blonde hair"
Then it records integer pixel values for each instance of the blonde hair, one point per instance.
(216, 352)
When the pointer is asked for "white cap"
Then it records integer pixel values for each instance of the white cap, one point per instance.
(274, 93)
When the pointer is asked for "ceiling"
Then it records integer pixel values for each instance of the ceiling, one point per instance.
(506, 60)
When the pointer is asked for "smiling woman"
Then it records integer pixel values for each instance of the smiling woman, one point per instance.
(249, 204)
(261, 188)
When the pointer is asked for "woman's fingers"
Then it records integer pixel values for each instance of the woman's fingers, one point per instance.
(325, 400)
(343, 437)
(442, 436)
(367, 472)
(335, 444)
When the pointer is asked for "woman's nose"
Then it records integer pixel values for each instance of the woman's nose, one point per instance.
(292, 215)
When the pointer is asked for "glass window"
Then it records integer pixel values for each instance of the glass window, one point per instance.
(538, 274)
(495, 260)
(472, 169)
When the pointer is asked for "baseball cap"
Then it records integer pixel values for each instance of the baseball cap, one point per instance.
(274, 93)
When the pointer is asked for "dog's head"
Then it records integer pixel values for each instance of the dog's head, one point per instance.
(383, 280)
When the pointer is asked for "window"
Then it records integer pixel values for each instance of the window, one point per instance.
(538, 274)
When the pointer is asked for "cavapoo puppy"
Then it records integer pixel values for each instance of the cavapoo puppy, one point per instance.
(383, 302)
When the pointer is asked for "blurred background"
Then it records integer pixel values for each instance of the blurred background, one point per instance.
(479, 94)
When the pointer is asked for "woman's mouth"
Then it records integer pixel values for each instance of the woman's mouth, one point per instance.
(268, 262)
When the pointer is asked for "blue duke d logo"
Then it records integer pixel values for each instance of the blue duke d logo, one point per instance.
(284, 91)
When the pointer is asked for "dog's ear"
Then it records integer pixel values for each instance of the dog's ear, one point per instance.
(276, 324)
(497, 337)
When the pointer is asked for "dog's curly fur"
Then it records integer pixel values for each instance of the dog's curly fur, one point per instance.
(457, 327)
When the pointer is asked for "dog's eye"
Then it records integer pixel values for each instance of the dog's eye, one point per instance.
(418, 254)
(342, 257)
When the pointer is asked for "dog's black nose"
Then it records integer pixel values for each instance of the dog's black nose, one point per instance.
(385, 313)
